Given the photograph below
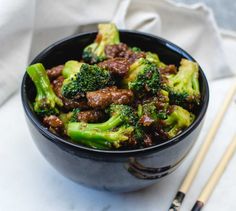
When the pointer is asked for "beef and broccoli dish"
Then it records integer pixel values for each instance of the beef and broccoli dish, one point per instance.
(116, 96)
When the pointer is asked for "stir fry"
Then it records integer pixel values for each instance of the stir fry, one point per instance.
(116, 96)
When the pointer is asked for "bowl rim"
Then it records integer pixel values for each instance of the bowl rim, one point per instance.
(158, 147)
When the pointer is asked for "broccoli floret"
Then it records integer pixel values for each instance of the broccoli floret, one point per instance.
(69, 72)
(46, 101)
(142, 76)
(69, 117)
(154, 110)
(107, 35)
(65, 118)
(150, 110)
(74, 115)
(71, 68)
(154, 58)
(88, 78)
(136, 49)
(177, 120)
(111, 133)
(183, 87)
(169, 120)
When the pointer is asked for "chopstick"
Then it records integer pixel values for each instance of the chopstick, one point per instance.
(187, 182)
(215, 176)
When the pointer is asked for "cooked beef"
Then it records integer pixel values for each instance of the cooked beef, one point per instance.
(102, 98)
(117, 66)
(55, 72)
(91, 116)
(145, 120)
(133, 143)
(56, 85)
(169, 69)
(54, 124)
(133, 56)
(116, 50)
(148, 140)
(70, 104)
(161, 101)
(123, 51)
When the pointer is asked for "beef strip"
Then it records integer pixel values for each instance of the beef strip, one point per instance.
(102, 98)
(133, 56)
(54, 124)
(122, 50)
(169, 69)
(55, 72)
(91, 116)
(161, 101)
(69, 104)
(56, 85)
(117, 66)
(116, 50)
(148, 140)
(133, 143)
(145, 120)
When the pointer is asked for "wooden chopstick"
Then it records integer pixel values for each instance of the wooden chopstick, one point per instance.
(215, 176)
(187, 182)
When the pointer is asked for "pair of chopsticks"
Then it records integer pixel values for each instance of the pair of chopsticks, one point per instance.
(217, 173)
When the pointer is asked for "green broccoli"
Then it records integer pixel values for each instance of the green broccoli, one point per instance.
(183, 87)
(136, 49)
(111, 133)
(150, 110)
(88, 78)
(154, 58)
(46, 101)
(154, 110)
(74, 115)
(177, 120)
(107, 35)
(142, 76)
(69, 117)
(69, 72)
(71, 68)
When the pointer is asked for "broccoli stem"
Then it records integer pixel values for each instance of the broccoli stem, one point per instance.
(39, 76)
(111, 133)
(46, 100)
(104, 138)
(71, 68)
(114, 121)
(93, 144)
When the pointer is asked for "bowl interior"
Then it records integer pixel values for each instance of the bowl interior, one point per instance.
(71, 49)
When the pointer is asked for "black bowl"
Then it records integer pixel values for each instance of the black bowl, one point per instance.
(112, 170)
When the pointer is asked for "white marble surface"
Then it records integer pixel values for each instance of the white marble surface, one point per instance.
(29, 183)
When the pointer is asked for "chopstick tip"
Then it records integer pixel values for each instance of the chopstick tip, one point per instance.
(177, 202)
(197, 206)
